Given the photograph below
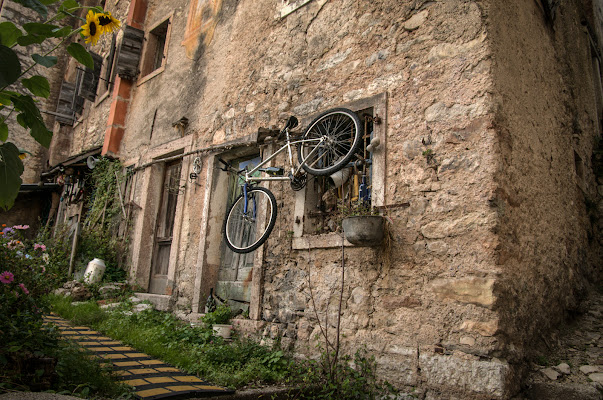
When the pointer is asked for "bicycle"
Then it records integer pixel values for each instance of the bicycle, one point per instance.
(327, 146)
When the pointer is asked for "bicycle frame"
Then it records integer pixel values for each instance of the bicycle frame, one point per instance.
(286, 146)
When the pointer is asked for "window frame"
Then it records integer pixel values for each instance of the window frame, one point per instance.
(147, 58)
(303, 241)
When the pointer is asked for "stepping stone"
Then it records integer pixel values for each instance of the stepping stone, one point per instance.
(151, 379)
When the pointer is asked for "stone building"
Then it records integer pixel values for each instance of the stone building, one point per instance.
(489, 116)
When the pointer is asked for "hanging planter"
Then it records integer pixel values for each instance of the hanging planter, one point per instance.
(364, 230)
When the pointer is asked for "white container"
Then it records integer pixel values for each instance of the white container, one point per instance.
(94, 271)
(222, 330)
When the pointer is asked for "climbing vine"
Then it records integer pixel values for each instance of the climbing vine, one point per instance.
(104, 204)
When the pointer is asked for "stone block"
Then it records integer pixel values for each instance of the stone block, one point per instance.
(160, 302)
(470, 376)
(471, 290)
(416, 20)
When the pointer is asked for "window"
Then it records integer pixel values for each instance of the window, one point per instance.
(316, 211)
(155, 53)
(107, 73)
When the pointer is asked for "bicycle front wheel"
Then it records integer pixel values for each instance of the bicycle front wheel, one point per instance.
(330, 141)
(242, 230)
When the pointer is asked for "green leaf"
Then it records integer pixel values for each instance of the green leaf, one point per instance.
(11, 169)
(65, 31)
(5, 98)
(66, 6)
(36, 28)
(21, 120)
(48, 2)
(27, 105)
(45, 61)
(9, 33)
(78, 52)
(10, 67)
(3, 131)
(35, 5)
(41, 133)
(38, 85)
(30, 39)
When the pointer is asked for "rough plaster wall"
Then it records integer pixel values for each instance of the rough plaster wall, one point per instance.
(435, 306)
(427, 303)
(546, 112)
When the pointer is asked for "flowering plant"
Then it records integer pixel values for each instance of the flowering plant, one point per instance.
(23, 282)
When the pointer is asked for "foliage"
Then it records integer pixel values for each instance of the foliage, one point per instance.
(23, 281)
(221, 315)
(103, 204)
(192, 348)
(356, 209)
(353, 378)
(13, 75)
(80, 374)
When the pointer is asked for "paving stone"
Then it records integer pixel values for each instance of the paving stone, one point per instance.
(564, 368)
(589, 369)
(550, 373)
(596, 377)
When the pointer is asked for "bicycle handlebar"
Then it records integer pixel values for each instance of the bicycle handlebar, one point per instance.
(228, 167)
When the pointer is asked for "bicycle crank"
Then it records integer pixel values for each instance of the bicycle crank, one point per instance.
(298, 182)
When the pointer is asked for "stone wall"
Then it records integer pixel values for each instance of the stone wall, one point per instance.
(547, 128)
(480, 103)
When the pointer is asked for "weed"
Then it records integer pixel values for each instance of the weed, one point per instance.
(193, 349)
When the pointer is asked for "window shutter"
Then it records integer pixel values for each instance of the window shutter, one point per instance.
(90, 78)
(68, 105)
(65, 113)
(128, 55)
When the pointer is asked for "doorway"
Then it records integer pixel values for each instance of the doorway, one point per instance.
(165, 227)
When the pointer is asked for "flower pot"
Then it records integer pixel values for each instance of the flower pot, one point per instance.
(222, 330)
(94, 271)
(364, 230)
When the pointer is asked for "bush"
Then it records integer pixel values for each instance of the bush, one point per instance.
(24, 279)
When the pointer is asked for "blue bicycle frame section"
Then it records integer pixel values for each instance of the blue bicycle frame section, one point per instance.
(246, 201)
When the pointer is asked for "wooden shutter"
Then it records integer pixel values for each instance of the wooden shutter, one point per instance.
(90, 78)
(65, 112)
(128, 55)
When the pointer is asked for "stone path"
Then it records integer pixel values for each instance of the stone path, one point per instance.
(571, 367)
(152, 379)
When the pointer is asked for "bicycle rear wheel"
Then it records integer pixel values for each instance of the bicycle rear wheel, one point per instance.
(341, 133)
(241, 229)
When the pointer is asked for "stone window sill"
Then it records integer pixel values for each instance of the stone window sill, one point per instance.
(325, 241)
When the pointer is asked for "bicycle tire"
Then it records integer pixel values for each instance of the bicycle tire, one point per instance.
(343, 132)
(240, 229)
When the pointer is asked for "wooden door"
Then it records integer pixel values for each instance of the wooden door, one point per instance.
(165, 228)
(234, 276)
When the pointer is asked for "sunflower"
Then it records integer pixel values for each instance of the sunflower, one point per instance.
(107, 22)
(92, 28)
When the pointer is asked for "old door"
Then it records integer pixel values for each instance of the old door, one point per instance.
(165, 228)
(234, 277)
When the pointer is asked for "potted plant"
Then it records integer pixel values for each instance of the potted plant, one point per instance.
(362, 225)
(219, 320)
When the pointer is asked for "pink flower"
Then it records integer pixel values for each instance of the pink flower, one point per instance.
(7, 277)
(39, 246)
(22, 286)
(23, 227)
(43, 268)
